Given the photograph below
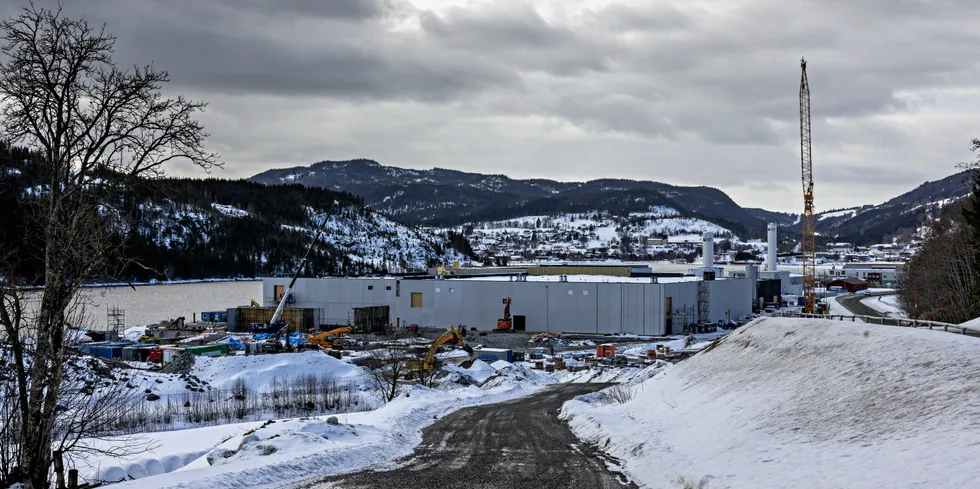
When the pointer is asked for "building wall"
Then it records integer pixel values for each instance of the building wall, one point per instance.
(573, 307)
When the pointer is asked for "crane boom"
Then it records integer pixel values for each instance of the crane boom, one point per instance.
(807, 246)
(306, 257)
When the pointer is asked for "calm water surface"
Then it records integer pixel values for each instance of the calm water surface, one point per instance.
(148, 304)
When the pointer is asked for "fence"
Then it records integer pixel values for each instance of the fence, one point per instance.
(903, 322)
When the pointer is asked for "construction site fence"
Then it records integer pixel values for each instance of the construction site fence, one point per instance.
(902, 322)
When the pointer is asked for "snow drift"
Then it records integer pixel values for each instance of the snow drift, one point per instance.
(801, 403)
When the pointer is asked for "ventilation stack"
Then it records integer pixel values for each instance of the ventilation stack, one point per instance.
(771, 249)
(709, 249)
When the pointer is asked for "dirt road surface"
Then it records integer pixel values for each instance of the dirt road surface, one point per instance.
(514, 445)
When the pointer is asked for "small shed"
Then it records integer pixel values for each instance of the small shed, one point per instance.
(849, 284)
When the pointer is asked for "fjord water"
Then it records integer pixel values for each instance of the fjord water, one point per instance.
(148, 304)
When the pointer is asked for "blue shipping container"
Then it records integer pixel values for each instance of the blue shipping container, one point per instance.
(214, 316)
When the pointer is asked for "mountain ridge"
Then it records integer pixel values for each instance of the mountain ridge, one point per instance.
(442, 197)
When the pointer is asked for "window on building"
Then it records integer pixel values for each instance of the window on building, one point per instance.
(370, 287)
(585, 292)
(570, 292)
(398, 288)
(438, 289)
(451, 290)
(416, 299)
(387, 287)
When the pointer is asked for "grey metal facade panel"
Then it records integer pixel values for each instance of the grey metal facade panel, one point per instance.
(572, 307)
(609, 308)
(593, 307)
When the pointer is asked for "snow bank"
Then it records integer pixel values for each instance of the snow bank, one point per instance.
(273, 454)
(801, 403)
(259, 370)
(885, 304)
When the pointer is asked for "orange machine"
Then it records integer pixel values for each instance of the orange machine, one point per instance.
(505, 323)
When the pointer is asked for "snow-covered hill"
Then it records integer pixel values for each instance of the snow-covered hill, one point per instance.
(592, 234)
(180, 229)
(794, 403)
(365, 237)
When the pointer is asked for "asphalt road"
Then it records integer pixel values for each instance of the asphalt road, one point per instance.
(514, 445)
(853, 304)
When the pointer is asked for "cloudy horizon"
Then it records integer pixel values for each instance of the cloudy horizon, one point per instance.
(699, 93)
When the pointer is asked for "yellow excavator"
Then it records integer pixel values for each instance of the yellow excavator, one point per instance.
(328, 339)
(430, 358)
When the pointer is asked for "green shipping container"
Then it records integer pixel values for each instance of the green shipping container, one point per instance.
(207, 350)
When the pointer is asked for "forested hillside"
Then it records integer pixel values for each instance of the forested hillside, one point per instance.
(190, 228)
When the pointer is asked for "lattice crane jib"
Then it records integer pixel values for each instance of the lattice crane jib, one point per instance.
(808, 245)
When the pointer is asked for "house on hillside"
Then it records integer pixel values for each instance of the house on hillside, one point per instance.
(849, 284)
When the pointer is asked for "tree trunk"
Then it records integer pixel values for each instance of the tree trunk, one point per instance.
(59, 469)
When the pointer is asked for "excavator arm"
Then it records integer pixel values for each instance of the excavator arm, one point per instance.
(451, 333)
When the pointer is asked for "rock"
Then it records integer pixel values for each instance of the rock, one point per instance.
(266, 449)
(248, 440)
(219, 454)
(159, 381)
(147, 391)
(333, 420)
(152, 397)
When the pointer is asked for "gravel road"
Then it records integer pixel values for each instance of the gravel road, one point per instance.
(514, 445)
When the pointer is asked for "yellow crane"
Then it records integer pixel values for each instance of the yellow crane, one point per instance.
(327, 339)
(807, 246)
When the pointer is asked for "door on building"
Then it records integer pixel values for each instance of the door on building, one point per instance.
(519, 323)
(279, 291)
(668, 316)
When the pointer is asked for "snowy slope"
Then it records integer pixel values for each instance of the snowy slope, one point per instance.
(580, 233)
(886, 304)
(364, 236)
(793, 403)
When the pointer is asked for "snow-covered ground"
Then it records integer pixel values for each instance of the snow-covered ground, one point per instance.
(264, 454)
(886, 304)
(797, 403)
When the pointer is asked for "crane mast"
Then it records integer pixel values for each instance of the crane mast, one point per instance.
(808, 246)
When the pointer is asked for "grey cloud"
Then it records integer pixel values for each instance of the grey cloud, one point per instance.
(518, 35)
(331, 9)
(675, 81)
(628, 18)
(860, 173)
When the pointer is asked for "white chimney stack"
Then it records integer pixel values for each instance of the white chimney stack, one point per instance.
(709, 249)
(771, 248)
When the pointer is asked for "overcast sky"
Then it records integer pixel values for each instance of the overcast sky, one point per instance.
(693, 92)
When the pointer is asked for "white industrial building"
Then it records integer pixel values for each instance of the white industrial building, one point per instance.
(573, 304)
(644, 305)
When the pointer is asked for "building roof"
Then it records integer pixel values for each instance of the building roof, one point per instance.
(850, 280)
(586, 279)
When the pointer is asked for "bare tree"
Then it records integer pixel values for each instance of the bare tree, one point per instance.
(416, 364)
(942, 282)
(388, 367)
(62, 94)
(937, 283)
